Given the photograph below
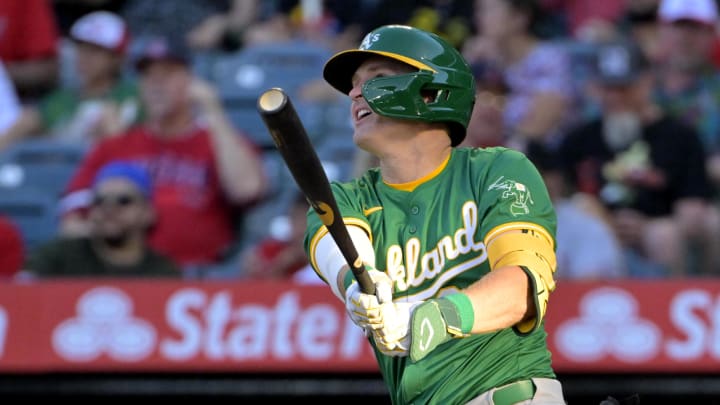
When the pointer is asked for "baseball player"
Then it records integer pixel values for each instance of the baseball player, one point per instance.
(459, 242)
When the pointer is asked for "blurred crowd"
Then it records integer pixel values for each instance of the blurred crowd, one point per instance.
(617, 102)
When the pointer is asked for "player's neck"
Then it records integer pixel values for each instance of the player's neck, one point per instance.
(413, 161)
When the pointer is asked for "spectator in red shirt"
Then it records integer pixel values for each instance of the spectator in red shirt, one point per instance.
(203, 170)
(11, 246)
(28, 45)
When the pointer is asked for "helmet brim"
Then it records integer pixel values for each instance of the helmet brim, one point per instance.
(340, 68)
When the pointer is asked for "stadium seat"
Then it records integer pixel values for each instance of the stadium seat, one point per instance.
(281, 190)
(33, 211)
(44, 164)
(241, 77)
(254, 69)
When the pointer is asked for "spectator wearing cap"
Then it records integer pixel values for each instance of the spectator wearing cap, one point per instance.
(103, 104)
(205, 172)
(688, 85)
(645, 167)
(120, 215)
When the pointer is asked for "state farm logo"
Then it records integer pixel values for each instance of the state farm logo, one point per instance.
(214, 326)
(608, 325)
(104, 325)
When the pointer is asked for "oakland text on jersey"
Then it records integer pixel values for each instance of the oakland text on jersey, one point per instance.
(418, 269)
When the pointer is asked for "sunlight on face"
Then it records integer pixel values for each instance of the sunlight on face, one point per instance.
(373, 130)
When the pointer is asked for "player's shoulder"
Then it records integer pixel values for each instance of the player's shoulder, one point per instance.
(490, 154)
(369, 177)
(362, 185)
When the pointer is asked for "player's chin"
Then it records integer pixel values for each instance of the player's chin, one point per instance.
(362, 138)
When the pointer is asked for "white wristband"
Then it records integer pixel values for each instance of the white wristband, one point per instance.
(330, 260)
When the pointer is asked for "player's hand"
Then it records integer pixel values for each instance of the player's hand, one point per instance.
(392, 335)
(364, 309)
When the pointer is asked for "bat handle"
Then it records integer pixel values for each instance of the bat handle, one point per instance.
(363, 278)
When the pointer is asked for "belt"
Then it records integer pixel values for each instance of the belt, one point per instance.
(513, 393)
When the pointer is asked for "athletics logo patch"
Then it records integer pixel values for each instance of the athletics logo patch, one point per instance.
(368, 41)
(513, 190)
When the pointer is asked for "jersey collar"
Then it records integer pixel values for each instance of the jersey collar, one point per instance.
(412, 185)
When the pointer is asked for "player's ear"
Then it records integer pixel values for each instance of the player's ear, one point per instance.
(429, 96)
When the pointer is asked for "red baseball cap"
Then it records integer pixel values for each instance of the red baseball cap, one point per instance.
(102, 28)
(162, 48)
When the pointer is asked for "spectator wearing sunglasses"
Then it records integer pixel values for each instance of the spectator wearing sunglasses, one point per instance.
(120, 215)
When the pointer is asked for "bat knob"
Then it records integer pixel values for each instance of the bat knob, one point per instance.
(272, 100)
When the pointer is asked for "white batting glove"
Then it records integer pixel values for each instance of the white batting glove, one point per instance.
(364, 309)
(392, 336)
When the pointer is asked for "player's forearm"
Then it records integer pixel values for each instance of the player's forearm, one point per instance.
(500, 299)
(233, 158)
(330, 263)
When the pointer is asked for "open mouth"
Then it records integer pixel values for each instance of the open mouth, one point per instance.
(362, 113)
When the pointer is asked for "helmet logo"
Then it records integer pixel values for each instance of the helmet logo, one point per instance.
(369, 40)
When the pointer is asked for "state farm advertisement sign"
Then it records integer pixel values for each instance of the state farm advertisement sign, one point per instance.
(640, 326)
(175, 326)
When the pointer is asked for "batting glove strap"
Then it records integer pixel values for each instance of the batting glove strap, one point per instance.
(438, 321)
(457, 310)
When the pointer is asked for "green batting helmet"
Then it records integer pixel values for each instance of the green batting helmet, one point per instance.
(441, 68)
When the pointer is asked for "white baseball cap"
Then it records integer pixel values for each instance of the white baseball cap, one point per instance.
(102, 28)
(702, 11)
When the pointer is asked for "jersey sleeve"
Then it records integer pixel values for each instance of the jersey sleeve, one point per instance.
(351, 213)
(515, 193)
(519, 226)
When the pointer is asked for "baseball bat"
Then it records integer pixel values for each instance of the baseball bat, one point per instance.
(289, 135)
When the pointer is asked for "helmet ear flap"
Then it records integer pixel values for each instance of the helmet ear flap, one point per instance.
(420, 96)
(399, 96)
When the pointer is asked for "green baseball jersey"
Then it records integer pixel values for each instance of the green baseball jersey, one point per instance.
(430, 240)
